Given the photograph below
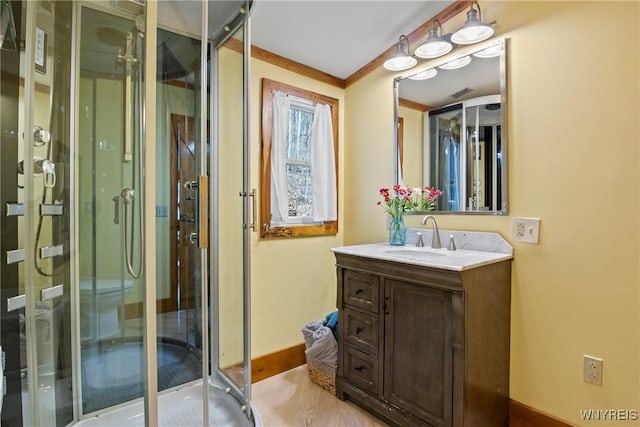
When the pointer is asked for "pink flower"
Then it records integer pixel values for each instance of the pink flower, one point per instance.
(399, 199)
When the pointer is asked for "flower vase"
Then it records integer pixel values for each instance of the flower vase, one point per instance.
(397, 231)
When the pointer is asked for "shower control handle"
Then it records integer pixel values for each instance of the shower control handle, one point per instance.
(127, 195)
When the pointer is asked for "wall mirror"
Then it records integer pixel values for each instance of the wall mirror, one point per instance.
(450, 118)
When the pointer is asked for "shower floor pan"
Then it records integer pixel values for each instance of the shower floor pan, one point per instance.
(113, 374)
(180, 408)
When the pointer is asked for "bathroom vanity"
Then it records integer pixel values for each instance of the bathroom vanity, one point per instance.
(424, 333)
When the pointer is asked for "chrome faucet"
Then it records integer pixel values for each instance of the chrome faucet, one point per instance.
(435, 239)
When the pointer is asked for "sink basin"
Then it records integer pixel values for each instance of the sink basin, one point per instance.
(416, 253)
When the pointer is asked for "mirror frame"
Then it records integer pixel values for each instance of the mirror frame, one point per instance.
(503, 117)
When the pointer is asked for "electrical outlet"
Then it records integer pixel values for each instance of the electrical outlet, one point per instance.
(526, 230)
(592, 370)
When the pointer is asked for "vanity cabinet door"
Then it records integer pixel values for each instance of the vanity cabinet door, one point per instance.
(417, 351)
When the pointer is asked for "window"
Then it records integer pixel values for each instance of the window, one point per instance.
(298, 193)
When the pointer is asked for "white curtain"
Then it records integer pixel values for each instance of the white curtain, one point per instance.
(323, 165)
(279, 136)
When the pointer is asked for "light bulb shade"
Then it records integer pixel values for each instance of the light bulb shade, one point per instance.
(472, 34)
(401, 60)
(474, 30)
(456, 63)
(433, 49)
(425, 74)
(435, 45)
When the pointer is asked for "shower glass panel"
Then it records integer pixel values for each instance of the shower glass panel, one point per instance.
(111, 193)
(230, 266)
(445, 167)
(484, 152)
(35, 266)
(179, 150)
(230, 313)
(12, 277)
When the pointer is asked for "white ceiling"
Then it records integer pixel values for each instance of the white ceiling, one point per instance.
(337, 37)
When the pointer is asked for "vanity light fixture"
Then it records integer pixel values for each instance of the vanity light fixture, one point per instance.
(435, 45)
(424, 74)
(456, 63)
(473, 30)
(402, 60)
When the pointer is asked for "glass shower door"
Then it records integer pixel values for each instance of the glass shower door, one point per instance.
(233, 207)
(110, 204)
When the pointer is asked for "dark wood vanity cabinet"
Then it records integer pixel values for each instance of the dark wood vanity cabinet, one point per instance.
(424, 346)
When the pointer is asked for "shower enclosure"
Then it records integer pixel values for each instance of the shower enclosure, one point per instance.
(466, 154)
(125, 286)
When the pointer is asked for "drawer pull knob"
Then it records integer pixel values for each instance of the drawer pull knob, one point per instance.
(358, 291)
(359, 368)
(358, 330)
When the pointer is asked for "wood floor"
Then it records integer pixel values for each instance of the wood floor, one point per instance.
(291, 399)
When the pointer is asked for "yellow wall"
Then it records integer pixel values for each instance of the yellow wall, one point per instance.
(292, 280)
(573, 153)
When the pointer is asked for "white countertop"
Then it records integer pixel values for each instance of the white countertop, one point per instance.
(458, 260)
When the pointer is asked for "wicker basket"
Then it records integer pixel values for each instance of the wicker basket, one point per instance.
(323, 374)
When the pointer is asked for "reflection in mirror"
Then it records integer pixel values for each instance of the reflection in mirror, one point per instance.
(453, 121)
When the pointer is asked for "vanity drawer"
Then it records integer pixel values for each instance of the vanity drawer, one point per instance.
(361, 369)
(361, 330)
(361, 290)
